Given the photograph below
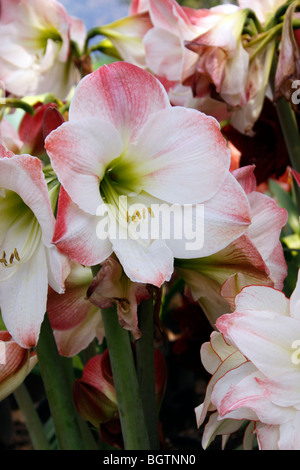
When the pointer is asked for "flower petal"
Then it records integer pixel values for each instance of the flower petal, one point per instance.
(79, 152)
(226, 217)
(73, 341)
(264, 337)
(76, 233)
(267, 220)
(125, 95)
(23, 174)
(152, 264)
(261, 298)
(24, 308)
(184, 162)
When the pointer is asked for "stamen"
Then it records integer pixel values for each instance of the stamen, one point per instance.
(3, 260)
(14, 255)
(151, 212)
(17, 256)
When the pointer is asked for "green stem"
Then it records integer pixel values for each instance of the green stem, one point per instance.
(57, 390)
(15, 103)
(33, 423)
(131, 413)
(87, 436)
(289, 129)
(146, 370)
(268, 38)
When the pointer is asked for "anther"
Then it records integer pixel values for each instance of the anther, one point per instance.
(3, 260)
(151, 212)
(17, 256)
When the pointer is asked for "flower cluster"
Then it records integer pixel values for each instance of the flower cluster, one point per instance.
(118, 179)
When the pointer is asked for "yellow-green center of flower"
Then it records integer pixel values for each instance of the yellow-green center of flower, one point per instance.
(20, 232)
(121, 191)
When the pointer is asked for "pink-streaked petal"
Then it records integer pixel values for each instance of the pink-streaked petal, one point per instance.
(245, 176)
(190, 148)
(168, 15)
(282, 390)
(262, 298)
(265, 338)
(79, 152)
(73, 341)
(277, 266)
(23, 299)
(238, 395)
(76, 233)
(23, 174)
(19, 365)
(67, 310)
(125, 95)
(267, 220)
(138, 6)
(233, 361)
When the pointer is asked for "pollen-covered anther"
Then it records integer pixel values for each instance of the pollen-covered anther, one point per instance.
(3, 260)
(14, 256)
(137, 215)
(151, 212)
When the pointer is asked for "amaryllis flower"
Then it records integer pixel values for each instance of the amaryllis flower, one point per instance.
(35, 47)
(173, 25)
(264, 386)
(76, 322)
(256, 257)
(15, 364)
(223, 61)
(29, 260)
(244, 117)
(125, 158)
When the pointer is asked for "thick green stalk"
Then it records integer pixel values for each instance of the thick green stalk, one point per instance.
(15, 103)
(57, 390)
(130, 407)
(289, 129)
(32, 420)
(146, 370)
